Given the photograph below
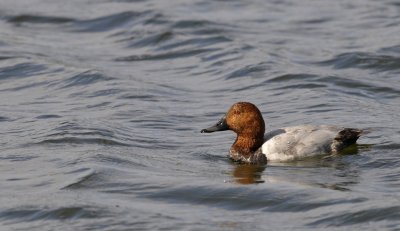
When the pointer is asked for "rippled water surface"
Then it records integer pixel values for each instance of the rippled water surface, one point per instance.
(102, 103)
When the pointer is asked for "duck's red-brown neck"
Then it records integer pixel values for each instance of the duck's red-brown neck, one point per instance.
(246, 144)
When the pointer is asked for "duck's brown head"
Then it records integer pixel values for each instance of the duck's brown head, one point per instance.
(247, 122)
(243, 118)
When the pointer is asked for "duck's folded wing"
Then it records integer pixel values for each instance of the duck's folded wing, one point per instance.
(298, 142)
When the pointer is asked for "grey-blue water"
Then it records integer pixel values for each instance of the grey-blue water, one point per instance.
(102, 103)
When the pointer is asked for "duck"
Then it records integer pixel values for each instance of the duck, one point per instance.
(254, 146)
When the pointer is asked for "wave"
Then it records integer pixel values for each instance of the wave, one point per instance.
(22, 70)
(109, 22)
(80, 140)
(63, 213)
(249, 199)
(168, 55)
(29, 18)
(82, 79)
(364, 60)
(74, 134)
(390, 213)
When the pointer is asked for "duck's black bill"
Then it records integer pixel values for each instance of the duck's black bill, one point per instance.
(220, 126)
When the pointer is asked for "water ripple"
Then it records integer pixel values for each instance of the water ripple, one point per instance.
(45, 214)
(48, 116)
(21, 70)
(195, 42)
(162, 56)
(242, 198)
(82, 141)
(149, 40)
(3, 119)
(81, 79)
(28, 18)
(81, 179)
(351, 218)
(251, 70)
(364, 60)
(72, 133)
(109, 22)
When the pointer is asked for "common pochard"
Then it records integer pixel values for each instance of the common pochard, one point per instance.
(285, 144)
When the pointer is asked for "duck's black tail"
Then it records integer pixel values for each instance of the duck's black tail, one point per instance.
(346, 137)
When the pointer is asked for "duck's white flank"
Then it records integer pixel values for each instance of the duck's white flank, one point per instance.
(298, 142)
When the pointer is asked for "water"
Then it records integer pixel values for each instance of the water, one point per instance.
(102, 103)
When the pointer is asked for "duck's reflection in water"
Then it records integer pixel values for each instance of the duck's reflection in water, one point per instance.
(336, 172)
(248, 173)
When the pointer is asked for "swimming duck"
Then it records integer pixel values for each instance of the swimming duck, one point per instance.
(254, 147)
